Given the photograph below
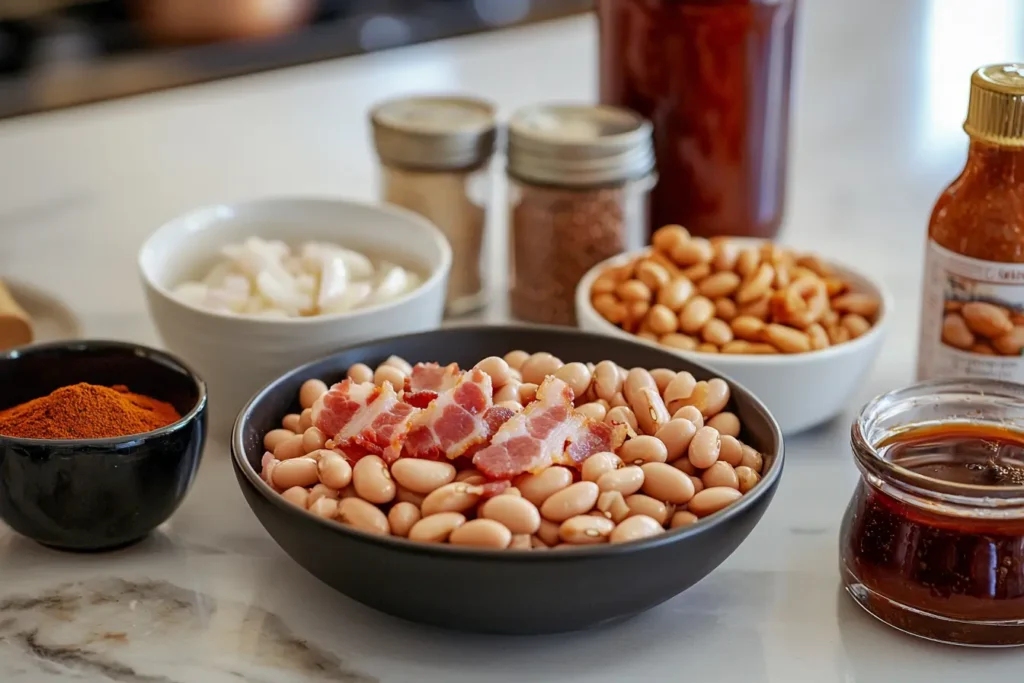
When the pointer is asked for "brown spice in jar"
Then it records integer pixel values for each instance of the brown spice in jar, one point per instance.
(557, 236)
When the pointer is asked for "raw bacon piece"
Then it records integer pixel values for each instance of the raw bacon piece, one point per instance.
(549, 431)
(428, 380)
(362, 418)
(454, 423)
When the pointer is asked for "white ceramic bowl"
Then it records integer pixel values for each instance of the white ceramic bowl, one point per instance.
(237, 355)
(801, 390)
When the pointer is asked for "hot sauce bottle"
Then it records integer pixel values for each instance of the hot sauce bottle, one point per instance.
(972, 322)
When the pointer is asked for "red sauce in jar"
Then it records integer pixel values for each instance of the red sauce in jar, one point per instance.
(714, 78)
(962, 568)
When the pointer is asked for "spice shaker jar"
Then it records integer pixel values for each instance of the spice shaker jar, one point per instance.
(932, 542)
(972, 319)
(579, 182)
(715, 76)
(435, 155)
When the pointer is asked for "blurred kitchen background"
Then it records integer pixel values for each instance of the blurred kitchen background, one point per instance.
(58, 53)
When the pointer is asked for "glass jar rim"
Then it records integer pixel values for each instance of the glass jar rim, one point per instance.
(869, 457)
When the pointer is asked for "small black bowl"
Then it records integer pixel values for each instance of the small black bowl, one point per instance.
(511, 592)
(98, 494)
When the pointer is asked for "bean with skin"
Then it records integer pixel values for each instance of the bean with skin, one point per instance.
(360, 373)
(666, 483)
(684, 465)
(586, 530)
(373, 481)
(636, 380)
(607, 380)
(402, 517)
(726, 423)
(297, 495)
(682, 518)
(322, 491)
(622, 415)
(515, 359)
(348, 492)
(577, 376)
(326, 508)
(573, 500)
(291, 422)
(650, 410)
(539, 366)
(509, 392)
(711, 500)
(527, 392)
(705, 448)
(747, 478)
(680, 387)
(537, 488)
(720, 474)
(481, 533)
(752, 459)
(390, 374)
(436, 528)
(676, 435)
(471, 476)
(498, 369)
(364, 516)
(333, 470)
(514, 406)
(458, 496)
(313, 440)
(640, 504)
(274, 438)
(626, 480)
(520, 542)
(422, 476)
(731, 450)
(548, 532)
(594, 410)
(612, 505)
(662, 378)
(295, 472)
(399, 363)
(698, 485)
(310, 391)
(634, 529)
(404, 495)
(643, 449)
(599, 463)
(519, 515)
(305, 420)
(290, 448)
(689, 413)
(695, 314)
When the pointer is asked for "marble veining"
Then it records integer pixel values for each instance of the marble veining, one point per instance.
(142, 631)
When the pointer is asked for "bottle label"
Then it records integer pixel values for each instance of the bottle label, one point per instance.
(972, 322)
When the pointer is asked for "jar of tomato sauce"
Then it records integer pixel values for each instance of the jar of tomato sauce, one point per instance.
(972, 321)
(714, 78)
(932, 542)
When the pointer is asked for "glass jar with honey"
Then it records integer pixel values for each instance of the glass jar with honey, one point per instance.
(932, 542)
(972, 319)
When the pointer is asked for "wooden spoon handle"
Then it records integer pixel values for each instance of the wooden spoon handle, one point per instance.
(15, 325)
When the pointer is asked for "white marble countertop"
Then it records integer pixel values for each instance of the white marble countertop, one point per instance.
(881, 92)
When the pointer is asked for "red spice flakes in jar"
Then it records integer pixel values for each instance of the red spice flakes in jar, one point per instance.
(972, 322)
(579, 182)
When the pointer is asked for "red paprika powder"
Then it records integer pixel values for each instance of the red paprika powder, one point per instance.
(87, 411)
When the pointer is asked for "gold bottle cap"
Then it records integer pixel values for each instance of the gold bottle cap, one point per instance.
(996, 110)
(434, 133)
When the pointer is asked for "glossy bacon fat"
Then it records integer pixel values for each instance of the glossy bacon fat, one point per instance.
(548, 432)
(460, 420)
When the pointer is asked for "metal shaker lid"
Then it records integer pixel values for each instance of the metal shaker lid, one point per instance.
(579, 145)
(434, 133)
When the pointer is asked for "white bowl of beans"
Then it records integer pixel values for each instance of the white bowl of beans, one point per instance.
(472, 477)
(800, 333)
(238, 350)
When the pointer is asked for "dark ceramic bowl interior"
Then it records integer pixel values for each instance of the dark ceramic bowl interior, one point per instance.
(98, 494)
(513, 592)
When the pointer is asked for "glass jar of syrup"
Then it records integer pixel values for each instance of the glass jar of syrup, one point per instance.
(714, 77)
(933, 540)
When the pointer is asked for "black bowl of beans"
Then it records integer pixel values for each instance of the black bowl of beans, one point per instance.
(506, 479)
(99, 441)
